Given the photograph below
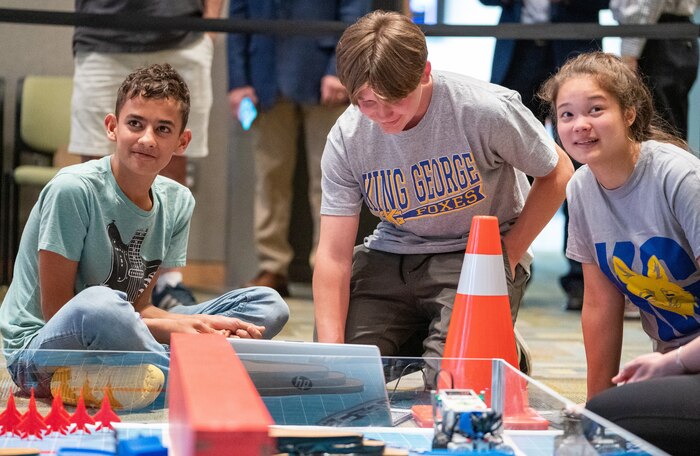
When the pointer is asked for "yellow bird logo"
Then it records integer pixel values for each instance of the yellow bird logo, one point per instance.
(656, 288)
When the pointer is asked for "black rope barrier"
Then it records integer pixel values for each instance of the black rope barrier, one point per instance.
(559, 31)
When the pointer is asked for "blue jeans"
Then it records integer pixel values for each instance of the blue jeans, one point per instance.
(99, 319)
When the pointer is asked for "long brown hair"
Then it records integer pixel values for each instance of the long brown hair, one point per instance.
(626, 86)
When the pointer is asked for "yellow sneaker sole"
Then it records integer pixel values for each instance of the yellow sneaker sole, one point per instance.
(127, 387)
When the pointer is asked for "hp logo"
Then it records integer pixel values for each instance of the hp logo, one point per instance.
(302, 383)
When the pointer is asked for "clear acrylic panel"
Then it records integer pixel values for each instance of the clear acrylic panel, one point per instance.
(536, 420)
(391, 399)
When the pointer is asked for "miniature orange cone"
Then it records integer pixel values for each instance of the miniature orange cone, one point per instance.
(481, 325)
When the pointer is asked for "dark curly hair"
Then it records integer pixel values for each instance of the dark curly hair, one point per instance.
(157, 81)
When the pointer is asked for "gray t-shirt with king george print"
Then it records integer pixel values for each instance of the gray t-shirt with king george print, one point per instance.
(468, 156)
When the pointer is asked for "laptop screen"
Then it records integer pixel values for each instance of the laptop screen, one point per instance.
(307, 383)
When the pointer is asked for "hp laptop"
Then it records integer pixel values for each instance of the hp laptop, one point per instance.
(308, 383)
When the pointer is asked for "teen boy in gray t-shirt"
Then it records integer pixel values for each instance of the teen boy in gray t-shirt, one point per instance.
(426, 152)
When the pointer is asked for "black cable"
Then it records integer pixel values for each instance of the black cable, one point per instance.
(437, 377)
(398, 379)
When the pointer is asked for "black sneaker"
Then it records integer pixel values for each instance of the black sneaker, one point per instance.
(574, 303)
(573, 287)
(170, 296)
(398, 367)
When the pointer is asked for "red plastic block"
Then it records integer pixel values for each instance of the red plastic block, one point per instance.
(423, 415)
(214, 406)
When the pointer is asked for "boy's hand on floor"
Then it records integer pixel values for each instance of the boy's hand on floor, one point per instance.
(162, 328)
(234, 326)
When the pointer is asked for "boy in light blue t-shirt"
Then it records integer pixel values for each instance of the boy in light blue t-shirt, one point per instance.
(92, 249)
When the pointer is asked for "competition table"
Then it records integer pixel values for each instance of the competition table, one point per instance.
(532, 412)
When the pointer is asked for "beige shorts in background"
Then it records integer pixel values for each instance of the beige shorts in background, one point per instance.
(98, 77)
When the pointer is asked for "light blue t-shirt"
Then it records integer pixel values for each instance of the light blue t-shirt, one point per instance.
(83, 215)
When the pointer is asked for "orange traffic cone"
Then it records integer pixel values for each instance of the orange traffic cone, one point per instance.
(481, 326)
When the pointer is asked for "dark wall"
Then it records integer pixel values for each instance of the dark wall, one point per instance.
(388, 5)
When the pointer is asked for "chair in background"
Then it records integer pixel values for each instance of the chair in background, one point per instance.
(42, 126)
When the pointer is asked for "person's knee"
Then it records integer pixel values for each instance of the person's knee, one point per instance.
(361, 335)
(277, 313)
(98, 304)
(97, 318)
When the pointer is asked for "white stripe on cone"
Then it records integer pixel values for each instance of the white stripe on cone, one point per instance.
(482, 275)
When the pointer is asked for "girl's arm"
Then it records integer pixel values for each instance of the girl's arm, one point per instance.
(601, 320)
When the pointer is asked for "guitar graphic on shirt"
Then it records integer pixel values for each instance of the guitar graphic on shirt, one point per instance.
(130, 273)
(656, 288)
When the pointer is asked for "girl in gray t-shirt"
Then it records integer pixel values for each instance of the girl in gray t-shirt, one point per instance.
(634, 225)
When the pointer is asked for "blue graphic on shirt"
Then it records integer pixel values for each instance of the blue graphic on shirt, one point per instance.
(667, 287)
(130, 273)
(441, 185)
